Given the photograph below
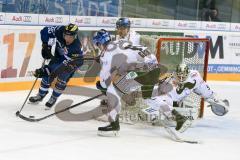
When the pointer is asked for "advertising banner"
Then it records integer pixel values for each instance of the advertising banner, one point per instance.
(21, 53)
(193, 25)
(21, 49)
(138, 22)
(83, 20)
(106, 21)
(159, 23)
(2, 18)
(217, 26)
(21, 19)
(235, 27)
(224, 51)
(49, 19)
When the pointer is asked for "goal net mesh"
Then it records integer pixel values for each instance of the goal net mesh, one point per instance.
(170, 52)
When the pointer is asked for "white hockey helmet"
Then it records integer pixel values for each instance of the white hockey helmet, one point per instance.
(182, 72)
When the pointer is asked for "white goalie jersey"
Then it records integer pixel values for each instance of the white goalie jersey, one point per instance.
(193, 83)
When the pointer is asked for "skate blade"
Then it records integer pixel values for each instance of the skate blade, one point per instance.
(185, 126)
(47, 108)
(108, 133)
(33, 103)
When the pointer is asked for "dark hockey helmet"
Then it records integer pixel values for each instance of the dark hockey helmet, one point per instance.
(101, 37)
(71, 30)
(182, 72)
(123, 22)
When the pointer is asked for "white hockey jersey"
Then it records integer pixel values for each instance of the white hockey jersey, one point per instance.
(193, 83)
(132, 36)
(116, 56)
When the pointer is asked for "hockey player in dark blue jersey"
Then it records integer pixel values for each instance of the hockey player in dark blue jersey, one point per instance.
(68, 50)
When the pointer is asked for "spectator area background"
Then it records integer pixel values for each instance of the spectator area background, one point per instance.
(229, 10)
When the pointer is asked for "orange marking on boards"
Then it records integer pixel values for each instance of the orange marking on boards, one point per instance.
(26, 85)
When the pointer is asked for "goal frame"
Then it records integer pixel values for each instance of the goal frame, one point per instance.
(186, 39)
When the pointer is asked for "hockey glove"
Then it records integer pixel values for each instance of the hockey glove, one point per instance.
(46, 51)
(72, 64)
(99, 87)
(41, 72)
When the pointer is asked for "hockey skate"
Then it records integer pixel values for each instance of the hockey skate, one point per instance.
(183, 123)
(37, 98)
(50, 102)
(111, 129)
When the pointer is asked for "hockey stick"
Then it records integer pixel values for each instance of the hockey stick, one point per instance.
(60, 111)
(18, 112)
(90, 58)
(173, 135)
(176, 138)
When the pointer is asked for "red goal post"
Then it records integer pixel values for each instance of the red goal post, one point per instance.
(192, 51)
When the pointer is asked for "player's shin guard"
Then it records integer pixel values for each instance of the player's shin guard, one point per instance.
(44, 86)
(43, 90)
(57, 91)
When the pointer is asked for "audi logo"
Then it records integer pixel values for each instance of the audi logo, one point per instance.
(58, 20)
(1, 17)
(27, 18)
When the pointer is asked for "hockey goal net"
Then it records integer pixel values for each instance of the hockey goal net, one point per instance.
(171, 52)
(193, 52)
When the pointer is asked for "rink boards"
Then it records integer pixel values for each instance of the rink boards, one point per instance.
(21, 53)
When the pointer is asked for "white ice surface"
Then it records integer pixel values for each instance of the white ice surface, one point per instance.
(53, 139)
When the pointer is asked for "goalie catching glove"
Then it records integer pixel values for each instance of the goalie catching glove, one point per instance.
(218, 107)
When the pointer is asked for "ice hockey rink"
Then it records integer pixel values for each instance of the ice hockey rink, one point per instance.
(54, 139)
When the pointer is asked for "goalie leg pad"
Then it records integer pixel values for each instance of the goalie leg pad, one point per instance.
(185, 126)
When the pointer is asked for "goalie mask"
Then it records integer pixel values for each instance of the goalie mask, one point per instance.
(182, 72)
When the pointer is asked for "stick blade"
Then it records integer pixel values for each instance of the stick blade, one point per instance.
(28, 119)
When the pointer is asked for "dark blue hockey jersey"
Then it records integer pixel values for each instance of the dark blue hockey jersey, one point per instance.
(62, 50)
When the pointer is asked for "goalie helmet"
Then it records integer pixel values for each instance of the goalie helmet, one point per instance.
(182, 72)
(71, 30)
(123, 22)
(101, 37)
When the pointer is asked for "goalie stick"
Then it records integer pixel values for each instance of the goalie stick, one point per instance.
(173, 135)
(177, 138)
(60, 111)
